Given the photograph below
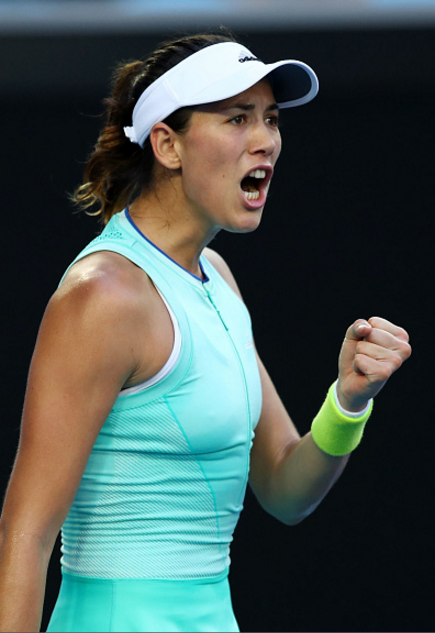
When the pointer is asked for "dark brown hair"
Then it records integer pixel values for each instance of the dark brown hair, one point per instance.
(117, 169)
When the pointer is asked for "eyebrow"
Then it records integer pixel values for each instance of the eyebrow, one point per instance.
(240, 105)
(224, 106)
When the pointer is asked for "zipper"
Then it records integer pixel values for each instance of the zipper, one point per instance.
(248, 406)
(221, 318)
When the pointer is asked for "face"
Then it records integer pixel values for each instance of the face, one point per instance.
(227, 159)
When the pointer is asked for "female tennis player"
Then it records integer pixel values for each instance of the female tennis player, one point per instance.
(147, 408)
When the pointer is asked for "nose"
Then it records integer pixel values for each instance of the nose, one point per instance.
(265, 140)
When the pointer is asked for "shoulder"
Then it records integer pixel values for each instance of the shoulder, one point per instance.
(108, 275)
(223, 269)
(103, 285)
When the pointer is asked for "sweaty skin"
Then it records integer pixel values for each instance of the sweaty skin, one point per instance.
(106, 328)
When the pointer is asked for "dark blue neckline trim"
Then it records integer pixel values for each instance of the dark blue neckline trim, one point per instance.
(202, 280)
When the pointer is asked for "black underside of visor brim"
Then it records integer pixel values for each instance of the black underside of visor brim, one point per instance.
(289, 83)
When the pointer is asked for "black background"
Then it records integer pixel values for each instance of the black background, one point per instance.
(347, 233)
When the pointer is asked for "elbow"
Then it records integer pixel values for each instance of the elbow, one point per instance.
(19, 538)
(291, 516)
(287, 511)
(292, 520)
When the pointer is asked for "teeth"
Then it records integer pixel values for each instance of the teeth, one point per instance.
(257, 173)
(252, 195)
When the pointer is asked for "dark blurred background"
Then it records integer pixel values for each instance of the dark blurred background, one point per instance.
(347, 233)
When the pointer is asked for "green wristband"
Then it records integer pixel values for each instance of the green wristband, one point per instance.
(336, 433)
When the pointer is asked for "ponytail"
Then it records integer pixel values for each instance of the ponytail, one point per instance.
(117, 169)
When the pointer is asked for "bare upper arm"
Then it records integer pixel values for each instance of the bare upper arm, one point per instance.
(274, 433)
(85, 352)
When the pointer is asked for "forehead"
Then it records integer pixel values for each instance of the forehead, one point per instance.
(259, 95)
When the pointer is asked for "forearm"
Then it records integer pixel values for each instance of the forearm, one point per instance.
(300, 480)
(291, 475)
(23, 571)
(292, 481)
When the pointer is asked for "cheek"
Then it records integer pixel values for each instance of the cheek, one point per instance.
(208, 166)
(278, 148)
(200, 159)
(208, 162)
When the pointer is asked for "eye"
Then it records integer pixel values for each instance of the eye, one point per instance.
(273, 120)
(238, 120)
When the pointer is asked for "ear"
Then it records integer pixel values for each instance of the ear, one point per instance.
(163, 142)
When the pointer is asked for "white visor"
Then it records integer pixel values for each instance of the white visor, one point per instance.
(217, 72)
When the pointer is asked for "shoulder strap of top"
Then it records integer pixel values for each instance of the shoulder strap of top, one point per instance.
(117, 238)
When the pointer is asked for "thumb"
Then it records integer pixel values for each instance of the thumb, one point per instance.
(356, 332)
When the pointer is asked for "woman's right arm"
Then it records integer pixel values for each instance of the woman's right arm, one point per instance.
(84, 354)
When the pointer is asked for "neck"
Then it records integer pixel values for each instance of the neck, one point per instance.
(163, 216)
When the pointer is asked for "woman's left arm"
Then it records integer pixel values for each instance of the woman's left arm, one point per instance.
(291, 475)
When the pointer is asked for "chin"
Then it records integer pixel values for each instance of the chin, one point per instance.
(248, 222)
(245, 229)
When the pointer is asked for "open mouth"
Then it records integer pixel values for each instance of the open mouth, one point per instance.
(254, 183)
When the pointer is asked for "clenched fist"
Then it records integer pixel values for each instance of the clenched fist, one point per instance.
(371, 352)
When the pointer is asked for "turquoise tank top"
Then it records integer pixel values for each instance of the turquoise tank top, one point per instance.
(164, 485)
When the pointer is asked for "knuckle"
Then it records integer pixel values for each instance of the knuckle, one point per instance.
(404, 349)
(396, 361)
(385, 372)
(360, 362)
(403, 334)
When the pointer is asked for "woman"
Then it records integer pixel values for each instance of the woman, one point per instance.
(145, 389)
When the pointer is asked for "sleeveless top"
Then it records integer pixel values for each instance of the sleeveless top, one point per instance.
(164, 485)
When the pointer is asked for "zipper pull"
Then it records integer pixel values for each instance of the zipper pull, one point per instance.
(215, 307)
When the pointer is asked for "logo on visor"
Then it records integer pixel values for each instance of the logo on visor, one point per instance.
(243, 57)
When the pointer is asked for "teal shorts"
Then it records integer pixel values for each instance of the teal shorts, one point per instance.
(96, 604)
